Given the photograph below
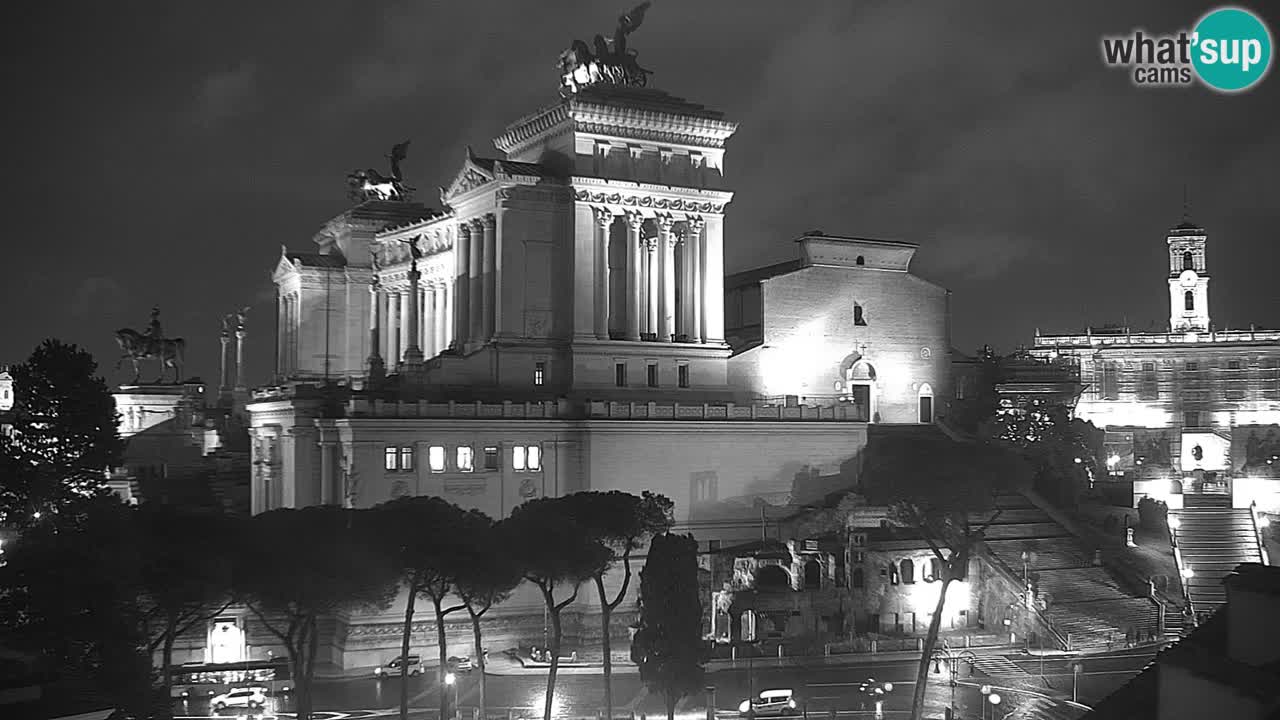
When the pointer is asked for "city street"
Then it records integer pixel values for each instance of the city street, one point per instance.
(1017, 679)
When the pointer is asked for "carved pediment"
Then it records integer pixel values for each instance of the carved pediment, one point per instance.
(470, 177)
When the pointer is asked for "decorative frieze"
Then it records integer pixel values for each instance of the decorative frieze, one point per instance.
(648, 201)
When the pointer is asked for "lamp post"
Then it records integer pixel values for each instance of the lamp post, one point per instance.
(452, 680)
(952, 660)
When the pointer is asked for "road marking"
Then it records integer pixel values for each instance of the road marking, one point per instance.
(998, 665)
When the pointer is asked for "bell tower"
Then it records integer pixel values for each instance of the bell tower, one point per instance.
(1188, 279)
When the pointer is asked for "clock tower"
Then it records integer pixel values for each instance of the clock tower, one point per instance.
(1188, 279)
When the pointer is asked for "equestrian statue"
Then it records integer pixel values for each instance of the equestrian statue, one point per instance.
(135, 346)
(610, 63)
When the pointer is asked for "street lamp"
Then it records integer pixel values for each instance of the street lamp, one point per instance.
(952, 660)
(452, 680)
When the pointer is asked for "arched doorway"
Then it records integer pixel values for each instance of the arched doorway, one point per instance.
(925, 403)
(812, 575)
(858, 386)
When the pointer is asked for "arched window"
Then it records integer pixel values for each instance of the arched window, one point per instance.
(1188, 261)
(1189, 300)
(772, 577)
(860, 261)
(935, 569)
(812, 575)
(908, 571)
(859, 578)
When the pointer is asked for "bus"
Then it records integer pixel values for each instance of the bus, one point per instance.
(193, 680)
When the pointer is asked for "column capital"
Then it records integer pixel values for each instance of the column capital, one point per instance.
(650, 243)
(604, 216)
(489, 221)
(695, 222)
(665, 223)
(635, 220)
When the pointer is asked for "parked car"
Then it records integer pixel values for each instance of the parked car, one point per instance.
(392, 669)
(461, 664)
(245, 697)
(770, 703)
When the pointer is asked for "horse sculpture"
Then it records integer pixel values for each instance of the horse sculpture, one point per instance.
(135, 346)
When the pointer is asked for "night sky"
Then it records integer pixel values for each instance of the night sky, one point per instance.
(160, 153)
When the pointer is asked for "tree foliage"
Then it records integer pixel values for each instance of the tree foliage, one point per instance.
(64, 439)
(487, 576)
(299, 566)
(554, 552)
(621, 522)
(668, 646)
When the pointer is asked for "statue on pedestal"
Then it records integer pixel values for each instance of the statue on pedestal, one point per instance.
(369, 184)
(136, 346)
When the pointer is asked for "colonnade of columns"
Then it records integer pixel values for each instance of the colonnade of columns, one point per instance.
(651, 308)
(394, 310)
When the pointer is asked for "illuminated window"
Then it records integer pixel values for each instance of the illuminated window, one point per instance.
(518, 458)
(908, 570)
(406, 458)
(893, 575)
(620, 374)
(1189, 301)
(682, 375)
(465, 458)
(491, 458)
(526, 458)
(858, 318)
(435, 458)
(539, 373)
(535, 458)
(652, 374)
(390, 458)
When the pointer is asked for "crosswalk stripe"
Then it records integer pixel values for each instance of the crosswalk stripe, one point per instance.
(998, 665)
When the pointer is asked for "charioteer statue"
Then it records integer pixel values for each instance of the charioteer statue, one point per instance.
(612, 63)
(369, 184)
(135, 346)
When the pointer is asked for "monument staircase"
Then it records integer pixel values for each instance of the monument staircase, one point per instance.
(1210, 538)
(1081, 601)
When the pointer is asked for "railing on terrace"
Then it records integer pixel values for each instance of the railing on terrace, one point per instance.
(1257, 532)
(363, 407)
(1177, 561)
(1149, 338)
(728, 411)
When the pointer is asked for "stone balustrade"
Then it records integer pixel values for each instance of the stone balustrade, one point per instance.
(730, 411)
(363, 407)
(1148, 338)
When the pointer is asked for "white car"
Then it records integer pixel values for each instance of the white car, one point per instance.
(392, 669)
(770, 703)
(249, 697)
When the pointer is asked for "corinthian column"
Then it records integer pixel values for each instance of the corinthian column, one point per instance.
(462, 286)
(634, 221)
(240, 333)
(667, 291)
(225, 337)
(475, 271)
(412, 351)
(698, 258)
(376, 367)
(604, 221)
(490, 302)
(651, 298)
(393, 326)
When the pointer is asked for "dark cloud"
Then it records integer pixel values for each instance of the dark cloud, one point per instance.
(166, 155)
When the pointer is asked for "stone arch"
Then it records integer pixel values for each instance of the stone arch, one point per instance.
(858, 384)
(813, 575)
(1189, 301)
(773, 578)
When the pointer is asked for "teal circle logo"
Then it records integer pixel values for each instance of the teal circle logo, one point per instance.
(1231, 49)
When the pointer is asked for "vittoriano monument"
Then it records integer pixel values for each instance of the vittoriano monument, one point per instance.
(135, 346)
(369, 184)
(612, 63)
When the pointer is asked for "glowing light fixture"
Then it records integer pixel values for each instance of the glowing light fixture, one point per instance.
(1174, 523)
(450, 678)
(1188, 573)
(994, 698)
(1263, 521)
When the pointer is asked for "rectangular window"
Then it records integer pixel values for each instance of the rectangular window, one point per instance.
(1110, 385)
(391, 459)
(1233, 364)
(859, 557)
(1235, 394)
(406, 458)
(1193, 366)
(466, 458)
(491, 458)
(620, 374)
(682, 376)
(435, 458)
(539, 373)
(1191, 419)
(1148, 367)
(652, 378)
(518, 458)
(535, 458)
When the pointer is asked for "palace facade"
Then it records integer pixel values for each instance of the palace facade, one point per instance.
(1193, 409)
(563, 323)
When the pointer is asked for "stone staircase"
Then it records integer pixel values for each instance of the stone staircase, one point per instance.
(1085, 603)
(1212, 539)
